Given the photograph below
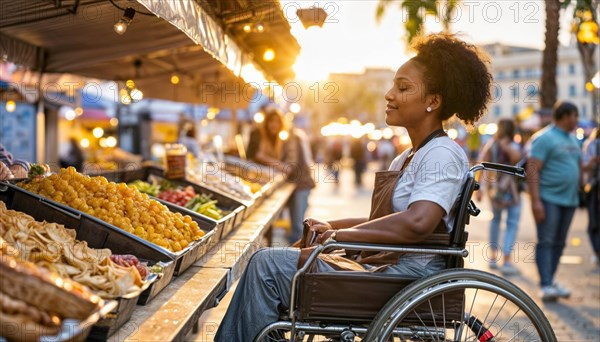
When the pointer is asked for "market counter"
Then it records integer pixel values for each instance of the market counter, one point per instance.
(173, 314)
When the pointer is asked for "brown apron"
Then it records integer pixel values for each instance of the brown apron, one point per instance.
(381, 205)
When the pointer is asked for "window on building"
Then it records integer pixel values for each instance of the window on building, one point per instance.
(515, 109)
(497, 92)
(514, 91)
(531, 91)
(497, 111)
(516, 73)
(571, 69)
(572, 90)
(529, 73)
(500, 75)
(584, 111)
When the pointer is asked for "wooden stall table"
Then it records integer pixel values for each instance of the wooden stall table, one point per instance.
(174, 313)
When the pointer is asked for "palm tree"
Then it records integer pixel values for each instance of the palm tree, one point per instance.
(550, 58)
(548, 91)
(417, 11)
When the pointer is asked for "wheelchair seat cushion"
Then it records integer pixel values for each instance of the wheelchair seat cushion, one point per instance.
(358, 296)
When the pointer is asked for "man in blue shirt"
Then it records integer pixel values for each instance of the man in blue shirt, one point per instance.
(554, 173)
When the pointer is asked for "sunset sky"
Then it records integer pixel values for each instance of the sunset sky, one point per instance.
(352, 39)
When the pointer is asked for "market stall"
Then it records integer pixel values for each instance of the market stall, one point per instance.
(175, 258)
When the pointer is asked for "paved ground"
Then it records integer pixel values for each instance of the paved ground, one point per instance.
(574, 319)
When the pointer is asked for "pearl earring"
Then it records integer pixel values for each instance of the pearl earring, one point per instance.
(429, 109)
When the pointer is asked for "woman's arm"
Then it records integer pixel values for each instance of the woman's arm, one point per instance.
(513, 154)
(323, 226)
(411, 226)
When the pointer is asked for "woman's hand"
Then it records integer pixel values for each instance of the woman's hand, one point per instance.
(324, 236)
(318, 226)
(18, 171)
(5, 172)
(539, 213)
(479, 195)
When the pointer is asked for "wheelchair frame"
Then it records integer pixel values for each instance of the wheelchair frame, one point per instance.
(453, 277)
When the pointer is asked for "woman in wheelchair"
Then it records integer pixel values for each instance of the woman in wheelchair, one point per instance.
(414, 202)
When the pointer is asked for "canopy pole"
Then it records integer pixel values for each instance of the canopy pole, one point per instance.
(42, 149)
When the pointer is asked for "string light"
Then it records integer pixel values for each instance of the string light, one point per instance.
(11, 106)
(121, 25)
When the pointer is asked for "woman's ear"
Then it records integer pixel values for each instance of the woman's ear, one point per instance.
(434, 101)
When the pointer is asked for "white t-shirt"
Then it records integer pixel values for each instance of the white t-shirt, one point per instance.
(436, 173)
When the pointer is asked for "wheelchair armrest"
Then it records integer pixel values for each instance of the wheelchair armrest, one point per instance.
(509, 169)
(335, 245)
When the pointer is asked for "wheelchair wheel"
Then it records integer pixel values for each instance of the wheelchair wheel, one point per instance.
(461, 305)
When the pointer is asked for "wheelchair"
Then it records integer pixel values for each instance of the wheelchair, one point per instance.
(455, 304)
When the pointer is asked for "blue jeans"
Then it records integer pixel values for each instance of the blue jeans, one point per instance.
(298, 204)
(552, 234)
(264, 290)
(513, 215)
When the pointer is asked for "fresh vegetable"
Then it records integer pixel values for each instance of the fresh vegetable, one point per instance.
(36, 170)
(147, 188)
(205, 205)
(179, 197)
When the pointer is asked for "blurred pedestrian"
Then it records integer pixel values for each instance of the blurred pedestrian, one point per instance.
(293, 158)
(591, 166)
(72, 156)
(334, 157)
(188, 139)
(358, 155)
(553, 176)
(503, 193)
(473, 144)
(18, 168)
(298, 157)
(386, 151)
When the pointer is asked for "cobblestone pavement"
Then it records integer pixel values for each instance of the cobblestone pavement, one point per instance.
(573, 319)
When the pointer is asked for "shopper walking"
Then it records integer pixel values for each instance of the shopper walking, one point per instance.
(553, 176)
(359, 157)
(591, 166)
(292, 157)
(503, 192)
(410, 202)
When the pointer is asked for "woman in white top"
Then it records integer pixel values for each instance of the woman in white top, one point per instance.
(413, 202)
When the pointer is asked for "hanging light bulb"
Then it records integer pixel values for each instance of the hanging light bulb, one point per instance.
(136, 95)
(174, 79)
(121, 25)
(269, 55)
(11, 106)
(260, 27)
(130, 84)
(247, 28)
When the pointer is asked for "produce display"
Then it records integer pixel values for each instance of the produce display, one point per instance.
(216, 177)
(183, 197)
(120, 205)
(35, 301)
(53, 247)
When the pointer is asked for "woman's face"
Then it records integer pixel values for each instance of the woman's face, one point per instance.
(406, 99)
(274, 126)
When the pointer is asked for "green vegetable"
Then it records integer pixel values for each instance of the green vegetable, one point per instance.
(37, 170)
(205, 205)
(147, 188)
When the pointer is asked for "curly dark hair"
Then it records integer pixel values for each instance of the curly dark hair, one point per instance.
(458, 72)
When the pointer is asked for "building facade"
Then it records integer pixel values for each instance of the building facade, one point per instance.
(517, 78)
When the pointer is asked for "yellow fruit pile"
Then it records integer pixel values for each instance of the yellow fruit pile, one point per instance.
(119, 205)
